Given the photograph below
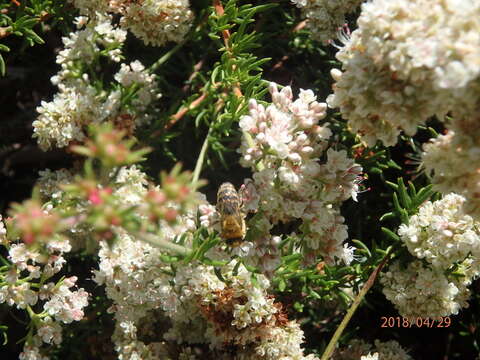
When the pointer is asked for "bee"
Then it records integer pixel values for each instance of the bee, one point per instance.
(232, 217)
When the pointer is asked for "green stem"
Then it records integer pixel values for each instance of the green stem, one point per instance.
(5, 261)
(333, 341)
(201, 158)
(31, 313)
(164, 244)
(167, 56)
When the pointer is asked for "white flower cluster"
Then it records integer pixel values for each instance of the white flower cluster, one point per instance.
(131, 270)
(135, 280)
(190, 307)
(325, 17)
(80, 103)
(155, 22)
(60, 303)
(283, 145)
(3, 233)
(407, 61)
(92, 36)
(60, 120)
(359, 349)
(200, 308)
(239, 317)
(441, 233)
(420, 291)
(443, 236)
(452, 161)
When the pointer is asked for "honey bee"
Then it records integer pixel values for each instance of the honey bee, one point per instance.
(232, 218)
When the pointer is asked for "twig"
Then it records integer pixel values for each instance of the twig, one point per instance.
(167, 56)
(300, 26)
(179, 114)
(182, 111)
(217, 4)
(196, 70)
(333, 341)
(201, 158)
(5, 31)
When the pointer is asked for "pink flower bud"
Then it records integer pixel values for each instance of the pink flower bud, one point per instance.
(272, 88)
(171, 215)
(252, 104)
(70, 281)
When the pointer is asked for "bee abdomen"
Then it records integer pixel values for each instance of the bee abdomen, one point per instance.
(228, 201)
(227, 191)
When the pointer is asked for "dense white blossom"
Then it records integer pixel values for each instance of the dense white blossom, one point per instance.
(325, 17)
(420, 291)
(441, 233)
(60, 120)
(240, 315)
(407, 61)
(31, 352)
(50, 331)
(155, 22)
(445, 238)
(283, 144)
(193, 305)
(452, 161)
(54, 302)
(79, 102)
(359, 349)
(3, 232)
(92, 36)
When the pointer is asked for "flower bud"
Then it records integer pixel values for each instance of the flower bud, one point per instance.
(336, 74)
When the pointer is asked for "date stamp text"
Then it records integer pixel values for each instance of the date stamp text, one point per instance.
(419, 322)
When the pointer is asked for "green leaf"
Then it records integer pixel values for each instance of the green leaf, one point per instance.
(387, 216)
(394, 165)
(235, 268)
(362, 246)
(29, 23)
(312, 293)
(31, 34)
(396, 203)
(404, 197)
(3, 329)
(345, 298)
(298, 306)
(376, 170)
(2, 65)
(390, 234)
(412, 189)
(392, 185)
(423, 194)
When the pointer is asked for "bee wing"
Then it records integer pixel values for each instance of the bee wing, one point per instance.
(228, 207)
